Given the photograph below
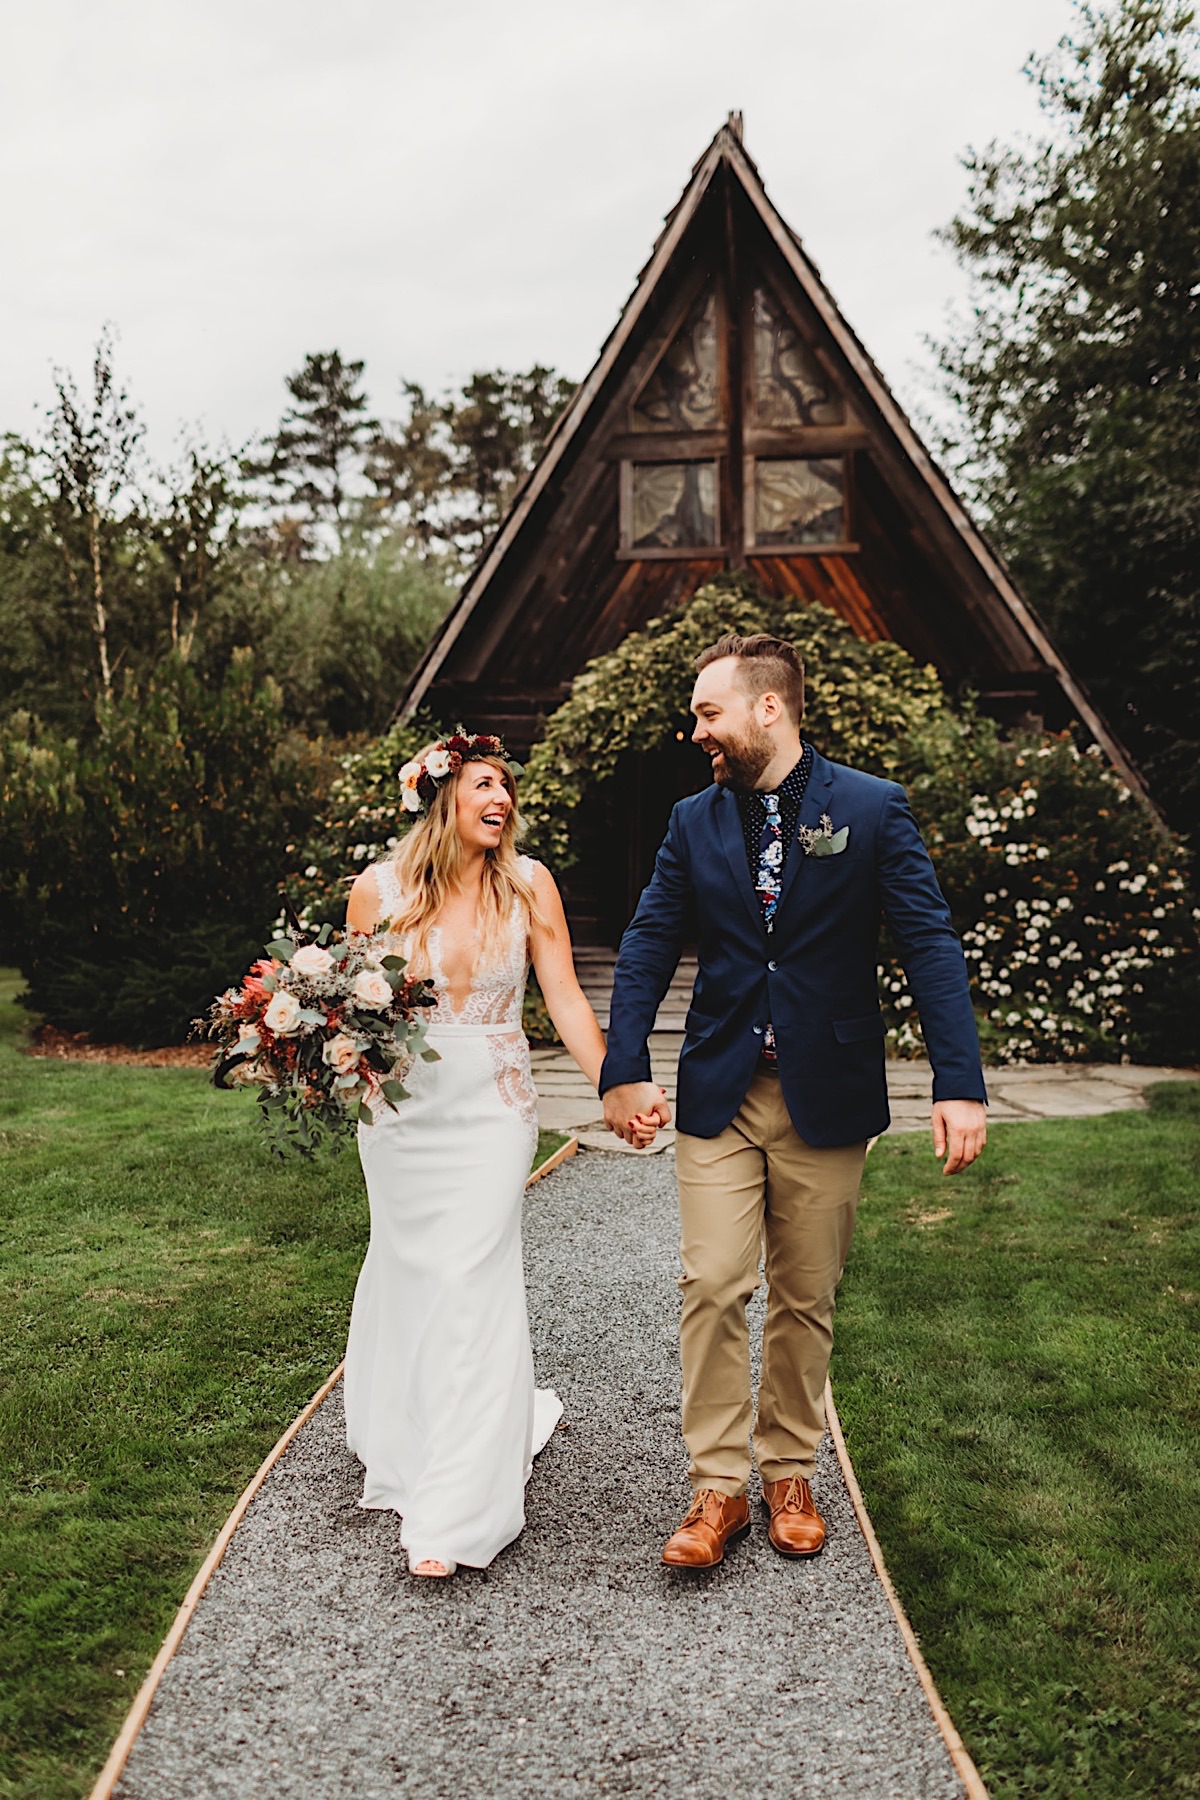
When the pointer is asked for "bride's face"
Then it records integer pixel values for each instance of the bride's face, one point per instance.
(482, 806)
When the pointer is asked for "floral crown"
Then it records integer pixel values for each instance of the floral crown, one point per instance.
(420, 780)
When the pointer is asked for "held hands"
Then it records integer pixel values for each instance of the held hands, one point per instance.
(959, 1132)
(635, 1110)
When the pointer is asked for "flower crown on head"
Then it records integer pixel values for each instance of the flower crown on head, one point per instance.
(420, 780)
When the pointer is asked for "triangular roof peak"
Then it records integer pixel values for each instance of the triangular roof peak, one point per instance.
(915, 517)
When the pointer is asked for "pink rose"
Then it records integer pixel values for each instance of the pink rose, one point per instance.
(373, 989)
(312, 960)
(341, 1053)
(283, 1015)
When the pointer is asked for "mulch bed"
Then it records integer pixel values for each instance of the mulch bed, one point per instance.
(76, 1046)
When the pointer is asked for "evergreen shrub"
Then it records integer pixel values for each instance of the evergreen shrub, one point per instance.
(140, 865)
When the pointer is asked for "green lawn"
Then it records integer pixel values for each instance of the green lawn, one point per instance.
(170, 1299)
(1017, 1367)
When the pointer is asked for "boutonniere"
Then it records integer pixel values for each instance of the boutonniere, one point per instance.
(823, 840)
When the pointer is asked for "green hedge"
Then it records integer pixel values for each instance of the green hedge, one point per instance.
(140, 865)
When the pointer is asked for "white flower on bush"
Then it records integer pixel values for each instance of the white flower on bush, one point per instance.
(283, 1015)
(310, 959)
(341, 1053)
(372, 988)
(438, 763)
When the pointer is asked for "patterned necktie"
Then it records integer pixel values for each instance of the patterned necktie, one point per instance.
(770, 875)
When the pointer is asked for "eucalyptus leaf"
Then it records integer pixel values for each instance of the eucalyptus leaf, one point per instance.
(839, 840)
(392, 1090)
(363, 1114)
(394, 962)
(282, 949)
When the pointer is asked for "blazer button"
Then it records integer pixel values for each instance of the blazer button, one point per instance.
(772, 966)
(758, 1030)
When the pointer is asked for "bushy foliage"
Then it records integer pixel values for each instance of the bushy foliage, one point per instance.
(862, 700)
(341, 636)
(140, 864)
(1071, 898)
(1077, 370)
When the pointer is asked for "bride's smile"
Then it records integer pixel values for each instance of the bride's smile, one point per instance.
(483, 806)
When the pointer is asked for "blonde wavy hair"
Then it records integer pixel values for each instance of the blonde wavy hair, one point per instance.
(429, 860)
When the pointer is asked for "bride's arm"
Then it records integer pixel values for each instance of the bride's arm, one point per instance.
(566, 1002)
(362, 908)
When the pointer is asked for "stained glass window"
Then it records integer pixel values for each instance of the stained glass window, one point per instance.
(799, 502)
(681, 394)
(790, 387)
(674, 506)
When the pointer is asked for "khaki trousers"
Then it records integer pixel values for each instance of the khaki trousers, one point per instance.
(758, 1183)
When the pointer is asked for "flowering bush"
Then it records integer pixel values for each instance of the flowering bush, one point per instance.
(326, 1032)
(1071, 898)
(1077, 923)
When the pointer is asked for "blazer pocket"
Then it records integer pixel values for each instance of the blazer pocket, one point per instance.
(855, 1031)
(699, 1025)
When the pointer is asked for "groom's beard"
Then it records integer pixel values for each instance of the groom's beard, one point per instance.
(742, 759)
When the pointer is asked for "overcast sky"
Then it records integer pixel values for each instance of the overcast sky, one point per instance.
(444, 187)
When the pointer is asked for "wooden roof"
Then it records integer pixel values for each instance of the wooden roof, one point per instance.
(559, 583)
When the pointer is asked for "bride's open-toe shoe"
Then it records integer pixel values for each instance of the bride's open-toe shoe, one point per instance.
(430, 1565)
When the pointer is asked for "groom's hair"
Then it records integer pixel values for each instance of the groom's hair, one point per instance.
(766, 665)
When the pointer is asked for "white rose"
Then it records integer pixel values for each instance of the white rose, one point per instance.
(312, 960)
(341, 1053)
(438, 763)
(409, 773)
(411, 799)
(371, 988)
(283, 1015)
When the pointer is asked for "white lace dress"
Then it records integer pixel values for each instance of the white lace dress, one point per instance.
(440, 1402)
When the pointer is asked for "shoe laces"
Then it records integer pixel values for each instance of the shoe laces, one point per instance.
(699, 1505)
(793, 1500)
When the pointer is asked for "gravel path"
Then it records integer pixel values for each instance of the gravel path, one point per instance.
(576, 1664)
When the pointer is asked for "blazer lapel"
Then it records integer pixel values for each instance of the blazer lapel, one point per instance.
(733, 842)
(814, 803)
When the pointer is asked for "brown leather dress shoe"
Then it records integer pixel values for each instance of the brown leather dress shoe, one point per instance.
(797, 1528)
(713, 1520)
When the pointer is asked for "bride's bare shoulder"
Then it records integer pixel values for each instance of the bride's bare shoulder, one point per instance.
(362, 908)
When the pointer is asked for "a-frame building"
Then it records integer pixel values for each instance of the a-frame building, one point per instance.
(733, 419)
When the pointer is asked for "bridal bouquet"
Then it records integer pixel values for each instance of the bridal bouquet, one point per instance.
(325, 1031)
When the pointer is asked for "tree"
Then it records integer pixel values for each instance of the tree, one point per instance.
(91, 452)
(445, 473)
(321, 442)
(1078, 375)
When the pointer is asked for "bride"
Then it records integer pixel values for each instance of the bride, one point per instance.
(441, 1407)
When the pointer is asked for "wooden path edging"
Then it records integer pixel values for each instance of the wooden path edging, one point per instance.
(968, 1774)
(135, 1718)
(111, 1773)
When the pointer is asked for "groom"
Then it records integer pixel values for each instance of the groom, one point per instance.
(782, 870)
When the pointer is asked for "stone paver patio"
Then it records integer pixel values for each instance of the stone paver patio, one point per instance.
(1049, 1091)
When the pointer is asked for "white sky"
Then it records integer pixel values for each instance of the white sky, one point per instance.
(445, 187)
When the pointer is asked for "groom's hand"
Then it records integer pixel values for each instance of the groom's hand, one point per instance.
(959, 1132)
(631, 1109)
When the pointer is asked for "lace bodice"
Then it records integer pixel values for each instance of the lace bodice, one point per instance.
(497, 990)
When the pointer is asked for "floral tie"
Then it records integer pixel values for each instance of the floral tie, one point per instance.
(770, 873)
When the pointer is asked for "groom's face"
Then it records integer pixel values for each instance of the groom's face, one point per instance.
(728, 728)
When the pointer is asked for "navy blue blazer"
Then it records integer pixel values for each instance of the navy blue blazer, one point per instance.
(814, 978)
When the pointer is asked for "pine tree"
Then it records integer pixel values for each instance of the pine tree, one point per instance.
(1079, 372)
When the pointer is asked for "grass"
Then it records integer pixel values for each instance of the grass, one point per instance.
(170, 1300)
(1017, 1372)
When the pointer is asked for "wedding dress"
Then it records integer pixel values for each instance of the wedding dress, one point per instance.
(441, 1407)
